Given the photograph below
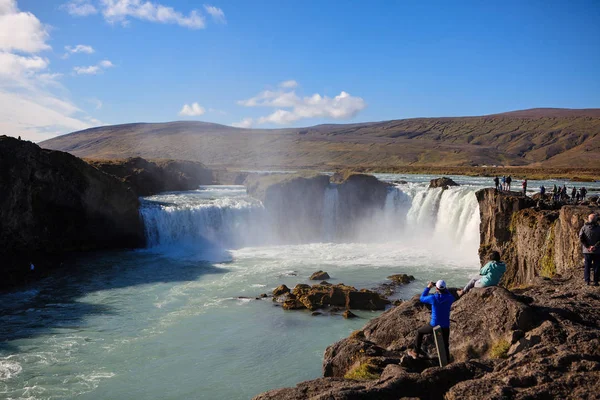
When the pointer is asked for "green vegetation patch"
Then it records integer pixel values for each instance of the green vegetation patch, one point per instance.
(365, 371)
(500, 349)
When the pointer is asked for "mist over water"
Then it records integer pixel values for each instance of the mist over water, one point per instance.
(168, 321)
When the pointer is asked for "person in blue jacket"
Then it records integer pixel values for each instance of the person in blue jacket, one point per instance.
(440, 315)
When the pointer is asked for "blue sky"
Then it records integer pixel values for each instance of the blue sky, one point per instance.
(70, 64)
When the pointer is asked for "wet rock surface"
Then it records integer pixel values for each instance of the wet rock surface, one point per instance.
(325, 296)
(319, 276)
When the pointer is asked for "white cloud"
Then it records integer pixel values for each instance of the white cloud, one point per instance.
(79, 8)
(216, 13)
(28, 107)
(80, 48)
(245, 123)
(291, 84)
(20, 31)
(93, 69)
(193, 110)
(292, 108)
(118, 11)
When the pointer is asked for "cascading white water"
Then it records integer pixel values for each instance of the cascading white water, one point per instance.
(226, 217)
(330, 213)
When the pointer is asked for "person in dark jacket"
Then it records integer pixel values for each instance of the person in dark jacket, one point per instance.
(497, 182)
(508, 182)
(524, 185)
(583, 191)
(441, 302)
(589, 235)
(573, 194)
(543, 191)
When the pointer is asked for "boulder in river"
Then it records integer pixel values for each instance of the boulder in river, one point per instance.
(401, 279)
(319, 276)
(442, 182)
(323, 296)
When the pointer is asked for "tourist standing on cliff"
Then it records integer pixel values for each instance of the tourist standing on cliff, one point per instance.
(440, 315)
(555, 193)
(508, 182)
(497, 182)
(524, 184)
(583, 191)
(491, 273)
(543, 191)
(573, 194)
(589, 235)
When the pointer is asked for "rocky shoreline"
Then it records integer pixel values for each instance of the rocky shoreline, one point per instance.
(538, 340)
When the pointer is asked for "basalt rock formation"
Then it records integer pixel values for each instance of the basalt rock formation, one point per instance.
(150, 177)
(327, 295)
(532, 241)
(296, 201)
(53, 203)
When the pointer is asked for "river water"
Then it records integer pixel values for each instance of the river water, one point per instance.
(167, 322)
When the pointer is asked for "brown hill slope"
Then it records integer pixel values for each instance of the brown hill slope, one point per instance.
(537, 137)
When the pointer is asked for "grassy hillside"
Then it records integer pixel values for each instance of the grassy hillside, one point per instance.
(540, 138)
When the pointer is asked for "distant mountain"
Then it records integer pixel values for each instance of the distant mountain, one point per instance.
(541, 137)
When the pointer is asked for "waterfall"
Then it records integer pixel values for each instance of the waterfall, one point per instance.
(446, 220)
(330, 213)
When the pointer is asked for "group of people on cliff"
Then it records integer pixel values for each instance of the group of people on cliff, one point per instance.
(558, 193)
(562, 194)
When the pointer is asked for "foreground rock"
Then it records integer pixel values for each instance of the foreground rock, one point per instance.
(52, 203)
(150, 177)
(541, 342)
(443, 182)
(327, 295)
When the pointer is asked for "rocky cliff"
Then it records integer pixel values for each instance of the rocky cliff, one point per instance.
(150, 177)
(297, 202)
(52, 203)
(532, 240)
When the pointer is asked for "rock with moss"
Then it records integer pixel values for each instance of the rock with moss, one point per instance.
(325, 296)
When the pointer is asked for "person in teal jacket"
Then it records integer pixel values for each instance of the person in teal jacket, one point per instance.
(491, 273)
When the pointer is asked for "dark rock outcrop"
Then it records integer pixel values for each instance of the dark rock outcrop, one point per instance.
(533, 242)
(53, 203)
(295, 202)
(401, 279)
(150, 177)
(324, 296)
(442, 182)
(319, 276)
